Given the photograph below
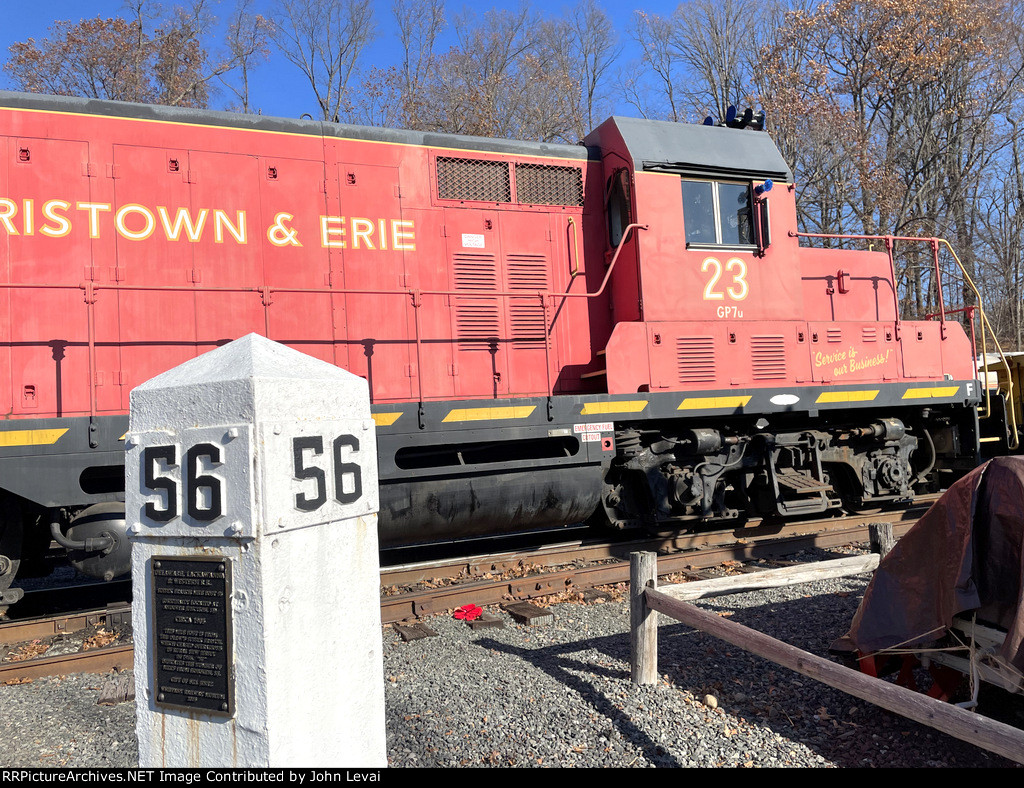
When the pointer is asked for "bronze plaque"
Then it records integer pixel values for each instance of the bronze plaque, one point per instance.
(192, 633)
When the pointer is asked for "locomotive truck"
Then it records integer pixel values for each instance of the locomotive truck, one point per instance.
(629, 331)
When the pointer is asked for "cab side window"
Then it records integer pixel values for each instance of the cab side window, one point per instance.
(699, 212)
(734, 214)
(619, 213)
(717, 213)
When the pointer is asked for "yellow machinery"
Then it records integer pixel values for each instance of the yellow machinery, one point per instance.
(1003, 376)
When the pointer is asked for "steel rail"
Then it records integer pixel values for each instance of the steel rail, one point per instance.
(40, 627)
(679, 553)
(575, 567)
(595, 549)
(97, 660)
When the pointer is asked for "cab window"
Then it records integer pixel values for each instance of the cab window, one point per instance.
(717, 213)
(619, 215)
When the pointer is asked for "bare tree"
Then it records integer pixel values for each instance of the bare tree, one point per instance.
(716, 42)
(660, 63)
(325, 39)
(420, 22)
(146, 57)
(97, 58)
(700, 60)
(248, 43)
(499, 81)
(511, 73)
(585, 46)
(914, 91)
(181, 62)
(1002, 275)
(817, 136)
(392, 95)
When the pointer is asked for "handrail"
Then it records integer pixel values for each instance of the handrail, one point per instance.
(889, 241)
(574, 267)
(1013, 441)
(90, 291)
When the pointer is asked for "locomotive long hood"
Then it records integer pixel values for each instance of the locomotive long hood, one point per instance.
(74, 105)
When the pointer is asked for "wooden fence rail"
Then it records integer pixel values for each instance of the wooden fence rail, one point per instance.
(647, 600)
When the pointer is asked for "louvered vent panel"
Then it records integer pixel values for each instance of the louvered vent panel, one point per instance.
(548, 184)
(526, 315)
(768, 357)
(695, 359)
(834, 335)
(869, 333)
(473, 179)
(475, 271)
(477, 319)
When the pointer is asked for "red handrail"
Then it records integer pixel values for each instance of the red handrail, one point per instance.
(91, 289)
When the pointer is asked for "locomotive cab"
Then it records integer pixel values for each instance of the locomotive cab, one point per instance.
(715, 295)
(705, 258)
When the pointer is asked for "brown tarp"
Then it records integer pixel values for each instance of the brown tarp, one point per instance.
(964, 555)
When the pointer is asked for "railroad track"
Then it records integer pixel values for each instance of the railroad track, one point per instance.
(417, 590)
(67, 643)
(578, 566)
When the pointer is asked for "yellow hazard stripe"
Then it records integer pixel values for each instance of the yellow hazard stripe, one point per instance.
(848, 396)
(386, 419)
(701, 403)
(626, 406)
(484, 414)
(31, 437)
(931, 393)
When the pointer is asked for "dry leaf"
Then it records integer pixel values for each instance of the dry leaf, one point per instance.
(30, 651)
(102, 638)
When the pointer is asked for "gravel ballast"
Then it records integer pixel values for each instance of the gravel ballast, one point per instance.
(559, 695)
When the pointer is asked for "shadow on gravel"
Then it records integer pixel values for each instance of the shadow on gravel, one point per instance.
(564, 665)
(842, 729)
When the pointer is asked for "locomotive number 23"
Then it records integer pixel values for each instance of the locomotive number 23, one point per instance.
(306, 451)
(737, 290)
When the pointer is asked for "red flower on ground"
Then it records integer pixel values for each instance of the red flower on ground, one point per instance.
(469, 612)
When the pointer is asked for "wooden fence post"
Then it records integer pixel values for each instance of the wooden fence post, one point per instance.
(882, 538)
(643, 640)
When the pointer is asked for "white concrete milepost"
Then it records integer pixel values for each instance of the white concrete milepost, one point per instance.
(251, 497)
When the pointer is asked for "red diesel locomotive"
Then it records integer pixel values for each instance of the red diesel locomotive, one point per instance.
(627, 330)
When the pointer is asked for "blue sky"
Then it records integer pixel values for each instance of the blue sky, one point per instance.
(280, 88)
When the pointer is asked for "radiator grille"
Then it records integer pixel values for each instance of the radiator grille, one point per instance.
(695, 359)
(473, 179)
(768, 357)
(548, 184)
